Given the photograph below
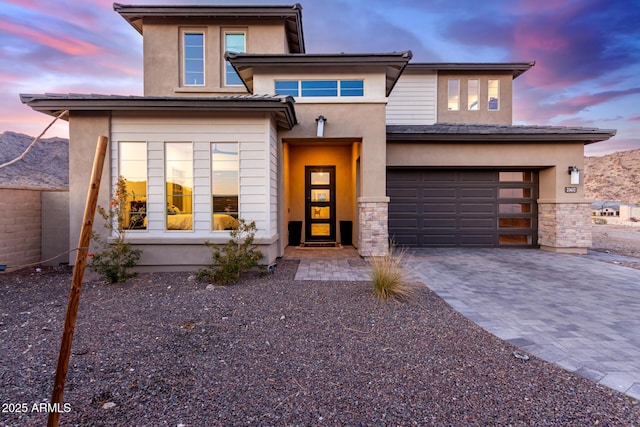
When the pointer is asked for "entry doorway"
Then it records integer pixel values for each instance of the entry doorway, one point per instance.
(320, 204)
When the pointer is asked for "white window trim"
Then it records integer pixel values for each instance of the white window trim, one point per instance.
(183, 32)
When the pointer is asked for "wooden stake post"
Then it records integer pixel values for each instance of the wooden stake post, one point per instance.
(76, 282)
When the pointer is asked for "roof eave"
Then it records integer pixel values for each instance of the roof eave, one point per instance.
(282, 107)
(515, 68)
(585, 138)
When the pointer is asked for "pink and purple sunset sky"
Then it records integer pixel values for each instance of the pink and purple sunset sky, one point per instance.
(587, 52)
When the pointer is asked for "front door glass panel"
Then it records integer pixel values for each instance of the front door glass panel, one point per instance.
(320, 203)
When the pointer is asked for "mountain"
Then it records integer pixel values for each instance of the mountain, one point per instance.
(46, 166)
(614, 177)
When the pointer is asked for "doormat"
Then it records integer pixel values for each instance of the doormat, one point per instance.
(320, 245)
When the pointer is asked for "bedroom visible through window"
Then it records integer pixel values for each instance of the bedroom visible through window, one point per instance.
(132, 159)
(193, 54)
(453, 94)
(179, 185)
(233, 42)
(224, 185)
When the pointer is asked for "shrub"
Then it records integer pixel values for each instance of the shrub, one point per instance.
(389, 275)
(237, 256)
(116, 259)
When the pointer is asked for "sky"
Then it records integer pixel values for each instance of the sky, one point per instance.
(587, 52)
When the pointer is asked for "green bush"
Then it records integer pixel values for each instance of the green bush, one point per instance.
(116, 259)
(237, 256)
(389, 275)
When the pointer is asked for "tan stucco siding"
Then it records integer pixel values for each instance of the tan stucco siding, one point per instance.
(163, 46)
(551, 159)
(503, 115)
(413, 100)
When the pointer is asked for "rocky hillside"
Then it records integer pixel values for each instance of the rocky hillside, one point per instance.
(44, 167)
(614, 177)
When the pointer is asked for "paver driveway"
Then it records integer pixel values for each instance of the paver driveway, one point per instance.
(573, 310)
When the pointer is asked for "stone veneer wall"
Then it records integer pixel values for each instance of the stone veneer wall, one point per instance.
(373, 236)
(20, 212)
(564, 227)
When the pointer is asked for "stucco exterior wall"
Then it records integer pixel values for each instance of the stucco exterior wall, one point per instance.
(162, 53)
(20, 212)
(504, 115)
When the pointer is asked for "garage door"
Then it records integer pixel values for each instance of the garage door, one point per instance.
(473, 208)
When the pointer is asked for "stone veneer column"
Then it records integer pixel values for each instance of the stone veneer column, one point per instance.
(373, 236)
(564, 227)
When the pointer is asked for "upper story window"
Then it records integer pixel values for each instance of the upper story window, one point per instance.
(453, 95)
(320, 88)
(234, 41)
(473, 94)
(493, 94)
(193, 56)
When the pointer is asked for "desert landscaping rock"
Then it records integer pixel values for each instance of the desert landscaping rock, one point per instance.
(274, 351)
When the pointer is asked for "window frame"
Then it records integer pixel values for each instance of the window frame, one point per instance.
(477, 95)
(489, 93)
(184, 33)
(143, 203)
(456, 96)
(191, 179)
(226, 65)
(213, 195)
(339, 89)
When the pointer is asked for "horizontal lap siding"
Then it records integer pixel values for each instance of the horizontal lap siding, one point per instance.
(413, 100)
(250, 133)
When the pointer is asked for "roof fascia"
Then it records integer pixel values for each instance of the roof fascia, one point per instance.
(516, 68)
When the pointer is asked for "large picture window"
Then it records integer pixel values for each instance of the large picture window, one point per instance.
(179, 185)
(233, 42)
(132, 167)
(224, 185)
(193, 56)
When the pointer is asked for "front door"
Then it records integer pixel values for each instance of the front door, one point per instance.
(320, 206)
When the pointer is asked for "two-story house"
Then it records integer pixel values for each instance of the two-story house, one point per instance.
(238, 121)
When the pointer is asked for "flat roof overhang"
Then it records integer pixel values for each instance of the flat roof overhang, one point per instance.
(496, 133)
(53, 104)
(292, 16)
(514, 68)
(394, 63)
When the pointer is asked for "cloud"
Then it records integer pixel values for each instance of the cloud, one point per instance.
(61, 42)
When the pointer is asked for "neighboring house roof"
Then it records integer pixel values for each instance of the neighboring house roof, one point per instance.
(394, 63)
(496, 133)
(515, 68)
(53, 104)
(292, 15)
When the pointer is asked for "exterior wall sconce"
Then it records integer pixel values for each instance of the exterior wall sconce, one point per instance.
(575, 174)
(321, 120)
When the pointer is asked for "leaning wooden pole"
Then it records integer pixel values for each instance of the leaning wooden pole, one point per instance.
(76, 282)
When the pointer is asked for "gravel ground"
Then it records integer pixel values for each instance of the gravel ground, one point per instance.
(618, 239)
(163, 350)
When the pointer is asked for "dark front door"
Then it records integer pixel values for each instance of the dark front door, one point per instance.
(320, 206)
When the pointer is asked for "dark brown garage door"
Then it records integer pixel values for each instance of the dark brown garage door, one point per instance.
(475, 208)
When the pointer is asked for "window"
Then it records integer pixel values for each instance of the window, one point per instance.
(224, 185)
(320, 88)
(133, 168)
(352, 88)
(193, 55)
(179, 185)
(493, 94)
(287, 87)
(233, 42)
(473, 94)
(323, 88)
(453, 91)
